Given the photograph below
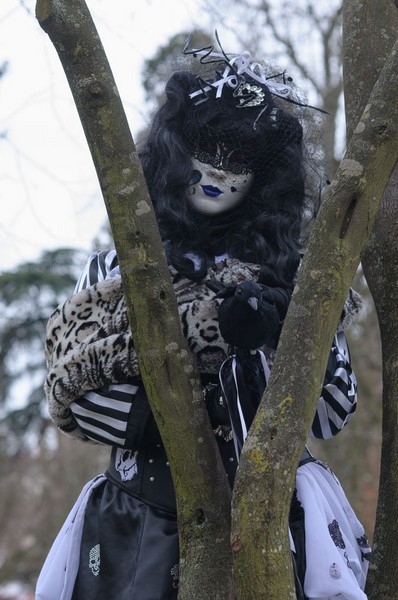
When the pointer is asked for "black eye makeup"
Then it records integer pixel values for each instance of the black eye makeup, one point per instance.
(220, 156)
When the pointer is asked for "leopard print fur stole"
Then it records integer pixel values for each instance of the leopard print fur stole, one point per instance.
(89, 343)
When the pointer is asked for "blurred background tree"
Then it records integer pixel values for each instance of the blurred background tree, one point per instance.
(41, 472)
(156, 70)
(28, 294)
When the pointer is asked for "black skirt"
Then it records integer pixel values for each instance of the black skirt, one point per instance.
(129, 549)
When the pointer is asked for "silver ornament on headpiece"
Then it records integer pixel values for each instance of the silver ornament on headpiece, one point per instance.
(249, 95)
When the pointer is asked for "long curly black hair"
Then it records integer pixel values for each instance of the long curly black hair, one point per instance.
(265, 228)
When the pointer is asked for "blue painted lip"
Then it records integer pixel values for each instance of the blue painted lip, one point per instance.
(211, 191)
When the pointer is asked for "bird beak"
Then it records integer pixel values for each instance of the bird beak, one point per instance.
(253, 303)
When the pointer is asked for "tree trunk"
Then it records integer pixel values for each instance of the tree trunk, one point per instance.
(167, 367)
(266, 475)
(366, 48)
(381, 269)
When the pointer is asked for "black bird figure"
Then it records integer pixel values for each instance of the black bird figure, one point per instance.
(251, 313)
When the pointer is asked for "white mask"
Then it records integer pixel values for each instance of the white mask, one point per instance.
(213, 191)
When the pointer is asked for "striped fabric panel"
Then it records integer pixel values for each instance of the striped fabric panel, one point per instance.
(98, 266)
(102, 415)
(338, 400)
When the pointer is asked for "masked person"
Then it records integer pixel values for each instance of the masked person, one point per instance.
(230, 180)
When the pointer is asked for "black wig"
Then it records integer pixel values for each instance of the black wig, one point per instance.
(265, 228)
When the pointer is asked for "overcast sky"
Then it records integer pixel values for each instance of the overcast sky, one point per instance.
(49, 192)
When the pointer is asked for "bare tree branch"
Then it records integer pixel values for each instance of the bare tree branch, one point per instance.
(288, 46)
(327, 36)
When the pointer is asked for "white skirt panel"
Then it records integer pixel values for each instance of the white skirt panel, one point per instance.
(337, 551)
(57, 577)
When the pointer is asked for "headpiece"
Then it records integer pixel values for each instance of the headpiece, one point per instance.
(279, 112)
(247, 116)
(230, 112)
(244, 76)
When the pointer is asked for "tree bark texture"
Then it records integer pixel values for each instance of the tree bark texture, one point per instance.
(380, 266)
(167, 367)
(370, 31)
(266, 474)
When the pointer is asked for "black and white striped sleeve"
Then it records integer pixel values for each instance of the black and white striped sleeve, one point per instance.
(338, 400)
(99, 267)
(103, 414)
(118, 414)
